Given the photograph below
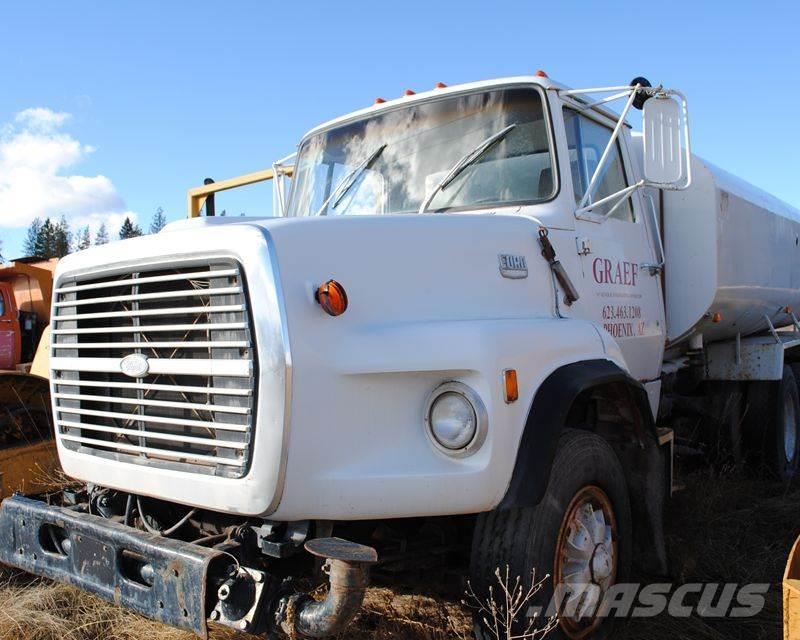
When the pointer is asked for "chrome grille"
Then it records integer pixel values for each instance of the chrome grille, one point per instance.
(194, 408)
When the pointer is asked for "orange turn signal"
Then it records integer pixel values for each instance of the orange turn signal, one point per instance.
(332, 298)
(510, 385)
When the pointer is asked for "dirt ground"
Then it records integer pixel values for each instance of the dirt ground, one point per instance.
(724, 527)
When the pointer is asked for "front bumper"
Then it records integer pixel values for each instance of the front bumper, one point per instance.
(106, 558)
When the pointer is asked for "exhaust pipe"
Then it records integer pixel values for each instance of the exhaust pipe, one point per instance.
(347, 565)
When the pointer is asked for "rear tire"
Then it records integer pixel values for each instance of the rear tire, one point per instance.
(782, 444)
(586, 474)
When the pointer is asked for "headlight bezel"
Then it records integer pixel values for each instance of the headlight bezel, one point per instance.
(479, 409)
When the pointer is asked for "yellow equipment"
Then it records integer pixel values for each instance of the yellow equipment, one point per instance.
(28, 459)
(791, 595)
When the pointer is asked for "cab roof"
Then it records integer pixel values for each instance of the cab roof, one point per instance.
(405, 100)
(468, 87)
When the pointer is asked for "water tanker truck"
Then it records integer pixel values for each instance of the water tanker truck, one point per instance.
(477, 321)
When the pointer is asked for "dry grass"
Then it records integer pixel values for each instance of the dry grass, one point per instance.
(42, 610)
(722, 528)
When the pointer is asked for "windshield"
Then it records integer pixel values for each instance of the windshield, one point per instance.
(420, 145)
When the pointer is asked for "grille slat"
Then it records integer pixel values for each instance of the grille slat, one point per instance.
(141, 417)
(232, 368)
(149, 312)
(156, 387)
(161, 295)
(147, 280)
(243, 344)
(155, 403)
(154, 435)
(173, 455)
(193, 408)
(229, 326)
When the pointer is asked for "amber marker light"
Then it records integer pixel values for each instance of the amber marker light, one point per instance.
(510, 385)
(717, 317)
(332, 298)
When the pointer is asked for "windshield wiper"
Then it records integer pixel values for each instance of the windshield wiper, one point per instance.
(468, 159)
(349, 180)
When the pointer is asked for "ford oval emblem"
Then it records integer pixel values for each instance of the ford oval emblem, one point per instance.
(135, 365)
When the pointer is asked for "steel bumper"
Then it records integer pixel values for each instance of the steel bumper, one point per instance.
(106, 558)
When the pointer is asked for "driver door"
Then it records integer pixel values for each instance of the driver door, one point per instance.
(614, 245)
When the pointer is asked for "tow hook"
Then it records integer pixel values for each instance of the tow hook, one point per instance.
(347, 565)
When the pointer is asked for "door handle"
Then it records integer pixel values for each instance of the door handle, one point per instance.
(652, 268)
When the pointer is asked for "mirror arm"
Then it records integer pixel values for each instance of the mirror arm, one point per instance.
(622, 195)
(607, 152)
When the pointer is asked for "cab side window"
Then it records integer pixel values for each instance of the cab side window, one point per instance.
(587, 140)
(2, 304)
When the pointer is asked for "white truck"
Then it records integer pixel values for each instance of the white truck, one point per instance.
(481, 312)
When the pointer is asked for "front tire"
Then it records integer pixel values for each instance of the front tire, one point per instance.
(580, 532)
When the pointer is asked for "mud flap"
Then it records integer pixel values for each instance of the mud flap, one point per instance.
(157, 577)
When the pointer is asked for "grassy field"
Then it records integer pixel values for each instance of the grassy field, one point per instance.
(724, 527)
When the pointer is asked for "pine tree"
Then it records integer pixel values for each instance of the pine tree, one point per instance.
(84, 240)
(62, 239)
(102, 235)
(159, 221)
(32, 238)
(45, 246)
(129, 230)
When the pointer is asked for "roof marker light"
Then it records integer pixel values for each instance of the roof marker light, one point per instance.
(409, 92)
(379, 100)
(440, 85)
(541, 74)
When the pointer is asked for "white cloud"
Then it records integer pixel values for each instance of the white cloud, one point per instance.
(41, 119)
(37, 177)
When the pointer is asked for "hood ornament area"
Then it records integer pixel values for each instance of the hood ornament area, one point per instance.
(135, 365)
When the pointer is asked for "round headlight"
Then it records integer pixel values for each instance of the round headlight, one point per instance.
(453, 420)
(456, 419)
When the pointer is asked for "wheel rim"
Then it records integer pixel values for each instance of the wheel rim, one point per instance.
(789, 428)
(586, 560)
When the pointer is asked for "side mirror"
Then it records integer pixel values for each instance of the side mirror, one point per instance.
(663, 156)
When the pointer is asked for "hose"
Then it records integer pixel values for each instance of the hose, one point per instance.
(163, 532)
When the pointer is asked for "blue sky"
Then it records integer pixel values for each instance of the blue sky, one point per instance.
(111, 108)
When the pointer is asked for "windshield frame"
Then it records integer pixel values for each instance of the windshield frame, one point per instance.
(404, 103)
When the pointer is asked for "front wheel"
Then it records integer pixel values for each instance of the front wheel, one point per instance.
(579, 534)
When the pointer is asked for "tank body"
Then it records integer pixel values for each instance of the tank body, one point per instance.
(732, 257)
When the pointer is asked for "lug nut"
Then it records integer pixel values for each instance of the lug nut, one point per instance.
(215, 615)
